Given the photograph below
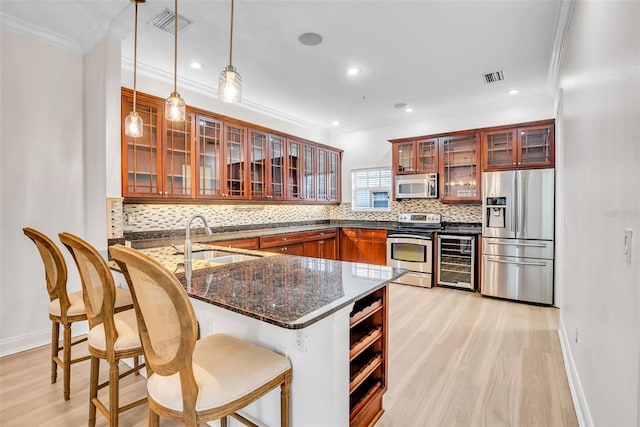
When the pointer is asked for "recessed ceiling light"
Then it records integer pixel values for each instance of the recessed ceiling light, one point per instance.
(513, 91)
(408, 110)
(400, 105)
(196, 65)
(353, 71)
(310, 39)
(335, 123)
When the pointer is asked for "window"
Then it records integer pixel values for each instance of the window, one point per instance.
(371, 189)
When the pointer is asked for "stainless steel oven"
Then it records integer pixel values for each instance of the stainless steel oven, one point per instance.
(410, 246)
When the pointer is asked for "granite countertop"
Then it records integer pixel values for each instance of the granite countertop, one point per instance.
(150, 242)
(288, 291)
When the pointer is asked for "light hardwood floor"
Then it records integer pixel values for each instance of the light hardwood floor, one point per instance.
(456, 359)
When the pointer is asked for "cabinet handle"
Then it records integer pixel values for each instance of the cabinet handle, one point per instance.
(284, 239)
(514, 163)
(321, 242)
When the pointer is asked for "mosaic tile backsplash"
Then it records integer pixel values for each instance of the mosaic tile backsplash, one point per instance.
(141, 217)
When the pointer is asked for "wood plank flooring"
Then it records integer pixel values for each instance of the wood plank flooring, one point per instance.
(456, 359)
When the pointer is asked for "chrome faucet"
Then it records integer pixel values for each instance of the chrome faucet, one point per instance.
(187, 243)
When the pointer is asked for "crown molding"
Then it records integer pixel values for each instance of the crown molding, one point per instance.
(193, 86)
(101, 29)
(563, 19)
(30, 30)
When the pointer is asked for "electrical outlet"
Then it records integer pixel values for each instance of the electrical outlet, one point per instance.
(628, 234)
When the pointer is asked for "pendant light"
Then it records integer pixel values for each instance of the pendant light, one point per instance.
(133, 125)
(230, 82)
(175, 109)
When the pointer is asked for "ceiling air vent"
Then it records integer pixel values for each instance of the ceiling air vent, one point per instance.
(494, 77)
(165, 21)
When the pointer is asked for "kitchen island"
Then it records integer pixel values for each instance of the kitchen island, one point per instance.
(328, 317)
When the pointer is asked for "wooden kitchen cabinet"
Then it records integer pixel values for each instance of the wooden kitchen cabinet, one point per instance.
(519, 147)
(289, 243)
(266, 165)
(142, 157)
(321, 244)
(248, 243)
(460, 167)
(368, 355)
(211, 157)
(367, 246)
(416, 155)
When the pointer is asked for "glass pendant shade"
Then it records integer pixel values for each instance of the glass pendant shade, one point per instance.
(230, 85)
(175, 108)
(133, 126)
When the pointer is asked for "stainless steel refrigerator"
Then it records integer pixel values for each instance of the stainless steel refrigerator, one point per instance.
(517, 235)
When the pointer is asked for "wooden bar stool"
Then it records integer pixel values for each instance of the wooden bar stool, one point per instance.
(112, 336)
(64, 308)
(193, 380)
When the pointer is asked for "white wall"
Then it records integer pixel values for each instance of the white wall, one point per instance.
(371, 147)
(41, 177)
(599, 117)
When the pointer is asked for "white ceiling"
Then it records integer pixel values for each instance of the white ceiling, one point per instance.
(431, 55)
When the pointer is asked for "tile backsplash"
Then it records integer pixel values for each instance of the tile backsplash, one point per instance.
(158, 217)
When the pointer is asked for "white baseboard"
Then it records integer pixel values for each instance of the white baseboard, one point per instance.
(36, 339)
(577, 394)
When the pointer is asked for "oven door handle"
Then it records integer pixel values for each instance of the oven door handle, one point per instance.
(408, 236)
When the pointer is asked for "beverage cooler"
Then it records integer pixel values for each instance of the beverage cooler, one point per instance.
(456, 261)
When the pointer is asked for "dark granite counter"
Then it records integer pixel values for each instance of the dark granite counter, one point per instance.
(288, 291)
(163, 238)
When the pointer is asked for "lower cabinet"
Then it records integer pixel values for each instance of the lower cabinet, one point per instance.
(368, 355)
(249, 243)
(289, 244)
(321, 244)
(364, 245)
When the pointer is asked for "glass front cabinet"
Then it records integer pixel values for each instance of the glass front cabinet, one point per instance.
(208, 158)
(460, 168)
(520, 147)
(418, 155)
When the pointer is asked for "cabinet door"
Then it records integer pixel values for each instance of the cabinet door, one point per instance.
(210, 155)
(323, 169)
(334, 176)
(329, 248)
(427, 155)
(235, 162)
(372, 251)
(404, 157)
(349, 245)
(258, 164)
(179, 169)
(460, 179)
(536, 146)
(276, 167)
(294, 166)
(499, 149)
(141, 157)
(309, 172)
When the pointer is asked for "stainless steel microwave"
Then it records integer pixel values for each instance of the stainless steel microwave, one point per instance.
(417, 186)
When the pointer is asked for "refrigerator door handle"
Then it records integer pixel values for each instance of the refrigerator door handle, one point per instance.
(537, 264)
(533, 245)
(514, 216)
(521, 230)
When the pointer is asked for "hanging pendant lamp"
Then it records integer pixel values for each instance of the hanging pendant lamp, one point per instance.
(133, 125)
(175, 107)
(230, 82)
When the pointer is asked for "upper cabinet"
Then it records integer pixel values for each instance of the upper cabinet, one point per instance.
(210, 157)
(461, 157)
(460, 168)
(416, 155)
(519, 147)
